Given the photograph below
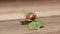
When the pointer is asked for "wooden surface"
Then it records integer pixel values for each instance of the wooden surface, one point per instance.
(52, 26)
(13, 10)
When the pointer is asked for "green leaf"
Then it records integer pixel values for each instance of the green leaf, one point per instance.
(40, 22)
(36, 24)
(33, 26)
(25, 12)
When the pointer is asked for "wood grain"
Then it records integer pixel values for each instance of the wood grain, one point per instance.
(13, 10)
(11, 15)
(52, 26)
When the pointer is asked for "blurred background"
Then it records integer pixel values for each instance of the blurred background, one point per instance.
(11, 6)
(48, 11)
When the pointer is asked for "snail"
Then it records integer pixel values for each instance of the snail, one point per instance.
(30, 17)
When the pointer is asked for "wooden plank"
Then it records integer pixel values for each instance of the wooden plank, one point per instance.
(52, 26)
(21, 16)
(13, 10)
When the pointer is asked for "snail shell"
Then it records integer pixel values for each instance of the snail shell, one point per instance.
(30, 17)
